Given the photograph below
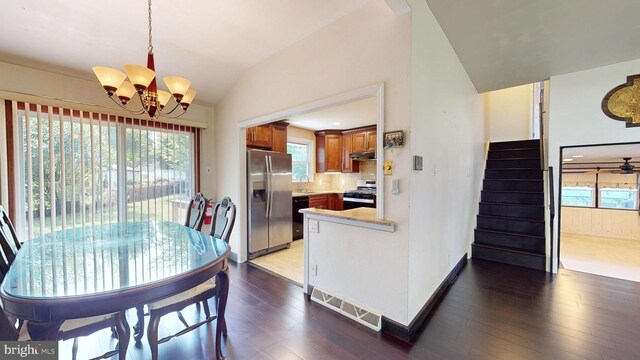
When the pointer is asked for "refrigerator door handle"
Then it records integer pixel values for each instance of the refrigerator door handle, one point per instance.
(270, 175)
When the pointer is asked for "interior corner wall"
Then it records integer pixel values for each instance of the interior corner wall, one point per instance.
(365, 47)
(576, 118)
(509, 113)
(448, 128)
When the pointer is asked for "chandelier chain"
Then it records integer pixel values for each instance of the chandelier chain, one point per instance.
(150, 36)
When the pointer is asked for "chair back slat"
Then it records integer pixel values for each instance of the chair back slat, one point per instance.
(9, 244)
(224, 217)
(196, 211)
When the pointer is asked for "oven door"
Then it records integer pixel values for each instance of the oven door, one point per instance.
(352, 203)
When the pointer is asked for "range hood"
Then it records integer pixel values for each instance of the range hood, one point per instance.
(367, 155)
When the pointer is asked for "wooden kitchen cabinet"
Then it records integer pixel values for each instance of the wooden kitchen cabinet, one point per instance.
(268, 137)
(334, 202)
(328, 151)
(348, 165)
(363, 139)
(319, 201)
(279, 136)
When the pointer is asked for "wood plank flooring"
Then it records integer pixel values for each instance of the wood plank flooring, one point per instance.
(492, 311)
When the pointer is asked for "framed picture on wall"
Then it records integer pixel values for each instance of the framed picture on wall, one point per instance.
(393, 139)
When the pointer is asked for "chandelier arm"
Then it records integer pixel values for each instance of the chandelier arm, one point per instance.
(123, 107)
(176, 116)
(170, 112)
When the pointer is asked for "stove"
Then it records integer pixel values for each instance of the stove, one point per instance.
(363, 196)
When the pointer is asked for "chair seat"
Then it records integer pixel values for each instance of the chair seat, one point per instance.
(207, 285)
(68, 325)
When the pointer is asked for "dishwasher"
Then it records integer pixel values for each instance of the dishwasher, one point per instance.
(299, 202)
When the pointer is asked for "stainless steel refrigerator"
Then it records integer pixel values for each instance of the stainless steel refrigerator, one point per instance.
(269, 198)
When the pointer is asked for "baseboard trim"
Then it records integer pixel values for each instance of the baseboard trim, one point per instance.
(408, 333)
(233, 257)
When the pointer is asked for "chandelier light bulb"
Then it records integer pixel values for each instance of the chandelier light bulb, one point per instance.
(187, 99)
(125, 92)
(109, 78)
(163, 98)
(177, 85)
(139, 76)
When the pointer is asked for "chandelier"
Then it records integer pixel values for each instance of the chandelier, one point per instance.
(142, 81)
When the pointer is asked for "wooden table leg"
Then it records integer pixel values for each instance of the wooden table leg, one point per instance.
(222, 284)
(138, 329)
(43, 331)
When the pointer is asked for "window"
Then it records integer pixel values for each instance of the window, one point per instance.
(619, 198)
(80, 168)
(300, 159)
(577, 196)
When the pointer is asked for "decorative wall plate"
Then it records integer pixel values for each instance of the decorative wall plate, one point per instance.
(623, 102)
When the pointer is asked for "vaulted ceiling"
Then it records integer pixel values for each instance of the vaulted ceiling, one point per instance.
(209, 42)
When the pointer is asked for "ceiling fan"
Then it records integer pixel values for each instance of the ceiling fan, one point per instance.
(625, 169)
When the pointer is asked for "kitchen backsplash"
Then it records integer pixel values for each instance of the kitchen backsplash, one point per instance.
(339, 181)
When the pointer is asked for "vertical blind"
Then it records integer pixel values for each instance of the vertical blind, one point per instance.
(77, 168)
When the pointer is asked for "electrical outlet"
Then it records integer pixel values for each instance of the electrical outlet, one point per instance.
(313, 226)
(313, 270)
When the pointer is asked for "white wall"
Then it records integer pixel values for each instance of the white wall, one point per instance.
(368, 46)
(575, 116)
(16, 82)
(448, 129)
(617, 224)
(509, 113)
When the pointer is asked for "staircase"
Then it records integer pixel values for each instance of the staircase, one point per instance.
(511, 225)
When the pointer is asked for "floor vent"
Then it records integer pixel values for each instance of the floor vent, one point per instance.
(347, 308)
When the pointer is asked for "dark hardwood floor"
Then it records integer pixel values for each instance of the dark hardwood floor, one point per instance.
(493, 311)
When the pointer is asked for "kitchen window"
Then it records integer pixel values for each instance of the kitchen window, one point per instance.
(301, 159)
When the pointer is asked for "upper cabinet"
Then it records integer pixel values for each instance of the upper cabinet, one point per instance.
(348, 165)
(268, 137)
(364, 139)
(328, 151)
(334, 148)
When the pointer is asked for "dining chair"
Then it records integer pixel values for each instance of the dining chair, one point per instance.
(196, 211)
(224, 215)
(70, 329)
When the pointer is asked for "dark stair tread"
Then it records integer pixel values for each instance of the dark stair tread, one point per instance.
(509, 218)
(534, 237)
(516, 149)
(509, 204)
(510, 249)
(530, 180)
(511, 169)
(514, 192)
(513, 159)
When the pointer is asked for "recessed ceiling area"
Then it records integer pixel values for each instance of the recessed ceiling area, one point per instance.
(350, 115)
(508, 43)
(603, 157)
(209, 42)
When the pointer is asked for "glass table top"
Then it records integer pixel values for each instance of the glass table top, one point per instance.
(110, 257)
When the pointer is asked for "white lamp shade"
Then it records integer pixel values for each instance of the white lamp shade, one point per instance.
(177, 85)
(126, 90)
(139, 76)
(163, 98)
(109, 78)
(188, 97)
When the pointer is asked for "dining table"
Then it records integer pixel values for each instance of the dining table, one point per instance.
(100, 269)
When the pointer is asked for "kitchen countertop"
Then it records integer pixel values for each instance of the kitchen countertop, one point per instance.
(361, 215)
(318, 192)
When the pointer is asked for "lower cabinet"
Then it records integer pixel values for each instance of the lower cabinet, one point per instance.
(326, 201)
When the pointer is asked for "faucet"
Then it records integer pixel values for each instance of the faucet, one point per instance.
(300, 182)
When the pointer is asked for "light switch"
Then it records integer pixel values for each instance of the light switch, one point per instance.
(395, 186)
(313, 226)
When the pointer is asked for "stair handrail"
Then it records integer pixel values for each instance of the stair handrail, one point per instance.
(541, 124)
(552, 215)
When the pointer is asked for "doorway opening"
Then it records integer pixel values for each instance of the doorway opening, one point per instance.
(313, 179)
(599, 210)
